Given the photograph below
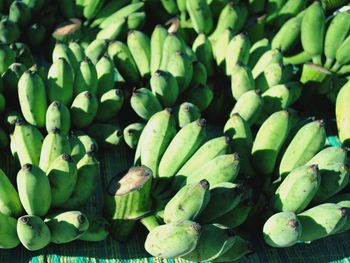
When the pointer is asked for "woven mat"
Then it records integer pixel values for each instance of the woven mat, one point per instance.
(332, 249)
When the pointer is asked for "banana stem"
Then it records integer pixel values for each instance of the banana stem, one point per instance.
(317, 78)
(317, 60)
(150, 222)
(297, 59)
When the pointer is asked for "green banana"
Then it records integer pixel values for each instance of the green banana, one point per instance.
(187, 203)
(186, 142)
(269, 57)
(32, 98)
(208, 151)
(96, 49)
(158, 133)
(269, 140)
(85, 78)
(336, 33)
(223, 168)
(170, 6)
(223, 198)
(341, 110)
(9, 31)
(257, 50)
(97, 231)
(62, 174)
(77, 51)
(8, 232)
(204, 52)
(144, 103)
(241, 80)
(62, 50)
(108, 9)
(200, 15)
(54, 144)
(289, 9)
(30, 139)
(240, 248)
(308, 141)
(105, 75)
(252, 112)
(164, 86)
(160, 240)
(124, 61)
(83, 109)
(343, 201)
(132, 134)
(110, 103)
(10, 204)
(136, 21)
(77, 148)
(342, 56)
(60, 82)
(272, 8)
(89, 143)
(33, 233)
(212, 243)
(313, 31)
(186, 113)
(329, 155)
(200, 75)
(34, 190)
(282, 230)
(297, 190)
(67, 226)
(237, 51)
(7, 57)
(35, 5)
(19, 13)
(58, 117)
(321, 221)
(200, 95)
(91, 8)
(180, 66)
(88, 175)
(172, 43)
(220, 47)
(255, 27)
(11, 77)
(275, 99)
(140, 48)
(106, 135)
(158, 37)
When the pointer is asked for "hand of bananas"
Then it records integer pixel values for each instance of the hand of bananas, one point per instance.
(227, 107)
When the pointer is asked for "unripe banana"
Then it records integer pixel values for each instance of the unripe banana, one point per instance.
(77, 148)
(237, 51)
(36, 34)
(9, 31)
(172, 43)
(83, 109)
(8, 232)
(110, 104)
(200, 75)
(229, 18)
(96, 49)
(60, 82)
(257, 50)
(288, 10)
(89, 143)
(181, 68)
(313, 31)
(144, 103)
(91, 8)
(282, 230)
(186, 113)
(223, 168)
(124, 61)
(58, 117)
(35, 5)
(341, 112)
(275, 99)
(140, 47)
(308, 141)
(7, 57)
(160, 240)
(249, 106)
(11, 77)
(297, 189)
(269, 140)
(62, 50)
(187, 203)
(85, 78)
(255, 27)
(220, 48)
(223, 198)
(200, 15)
(186, 142)
(67, 226)
(158, 37)
(241, 80)
(332, 154)
(158, 133)
(164, 86)
(10, 204)
(30, 139)
(33, 233)
(343, 201)
(107, 135)
(62, 175)
(136, 21)
(77, 51)
(269, 57)
(105, 75)
(98, 229)
(88, 176)
(213, 242)
(321, 221)
(132, 134)
(34, 190)
(240, 248)
(335, 35)
(272, 8)
(19, 13)
(203, 50)
(32, 98)
(342, 56)
(201, 96)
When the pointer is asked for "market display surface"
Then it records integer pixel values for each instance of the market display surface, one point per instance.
(174, 130)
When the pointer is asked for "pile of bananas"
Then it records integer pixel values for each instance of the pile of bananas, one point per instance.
(226, 107)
